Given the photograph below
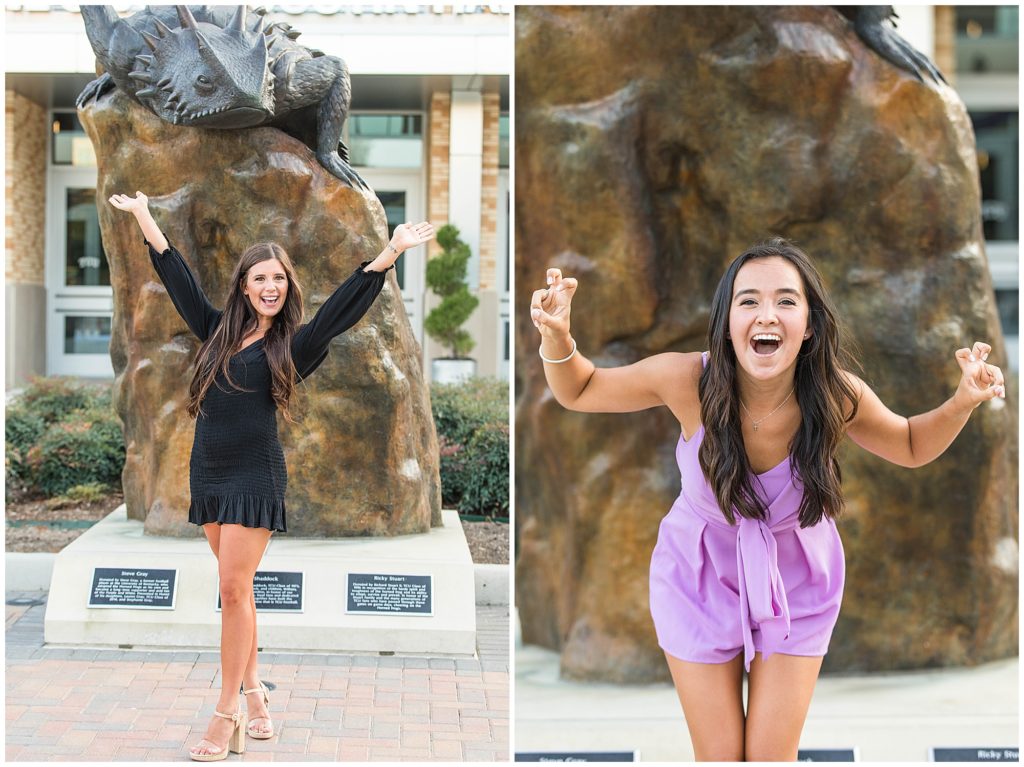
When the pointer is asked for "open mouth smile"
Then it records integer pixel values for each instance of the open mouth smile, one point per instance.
(766, 344)
(270, 302)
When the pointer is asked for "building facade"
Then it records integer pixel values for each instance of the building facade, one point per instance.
(428, 129)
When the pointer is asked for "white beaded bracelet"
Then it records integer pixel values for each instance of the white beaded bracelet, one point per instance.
(564, 359)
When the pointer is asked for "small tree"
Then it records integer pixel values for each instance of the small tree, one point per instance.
(446, 277)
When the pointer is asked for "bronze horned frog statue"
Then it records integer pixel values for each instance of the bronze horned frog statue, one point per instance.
(221, 67)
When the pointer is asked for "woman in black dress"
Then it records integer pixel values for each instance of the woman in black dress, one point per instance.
(253, 353)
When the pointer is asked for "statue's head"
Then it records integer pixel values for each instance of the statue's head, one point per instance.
(203, 76)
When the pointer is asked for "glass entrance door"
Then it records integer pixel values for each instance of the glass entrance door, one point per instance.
(401, 194)
(504, 274)
(80, 299)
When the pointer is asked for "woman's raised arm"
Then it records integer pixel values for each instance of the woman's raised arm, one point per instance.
(663, 379)
(406, 236)
(920, 439)
(351, 300)
(138, 206)
(186, 295)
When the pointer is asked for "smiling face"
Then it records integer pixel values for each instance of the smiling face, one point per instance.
(768, 317)
(266, 287)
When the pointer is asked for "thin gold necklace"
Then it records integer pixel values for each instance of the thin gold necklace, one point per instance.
(759, 421)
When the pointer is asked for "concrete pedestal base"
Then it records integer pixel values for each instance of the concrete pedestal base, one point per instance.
(322, 626)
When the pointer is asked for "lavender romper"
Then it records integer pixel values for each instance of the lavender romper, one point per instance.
(718, 589)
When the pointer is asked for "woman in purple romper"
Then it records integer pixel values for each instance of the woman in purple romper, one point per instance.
(748, 570)
(253, 354)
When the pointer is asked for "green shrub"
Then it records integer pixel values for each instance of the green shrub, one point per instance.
(86, 447)
(451, 472)
(53, 398)
(485, 472)
(472, 428)
(62, 433)
(460, 409)
(446, 277)
(90, 492)
(22, 429)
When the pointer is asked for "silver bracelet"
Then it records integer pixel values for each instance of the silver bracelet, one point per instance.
(564, 359)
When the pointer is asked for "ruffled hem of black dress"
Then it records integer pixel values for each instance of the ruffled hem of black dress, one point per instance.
(245, 510)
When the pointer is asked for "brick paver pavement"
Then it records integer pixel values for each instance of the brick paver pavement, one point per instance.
(128, 705)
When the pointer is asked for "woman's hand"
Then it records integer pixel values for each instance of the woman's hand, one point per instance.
(139, 207)
(134, 205)
(408, 235)
(549, 307)
(979, 381)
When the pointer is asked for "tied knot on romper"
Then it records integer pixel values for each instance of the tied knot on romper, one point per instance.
(718, 589)
(762, 591)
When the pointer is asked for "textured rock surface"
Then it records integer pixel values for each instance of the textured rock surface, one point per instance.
(363, 458)
(652, 146)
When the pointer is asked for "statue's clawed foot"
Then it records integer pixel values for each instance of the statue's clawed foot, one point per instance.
(872, 27)
(340, 168)
(95, 89)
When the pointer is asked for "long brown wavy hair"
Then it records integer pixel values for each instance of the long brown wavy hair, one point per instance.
(239, 320)
(826, 399)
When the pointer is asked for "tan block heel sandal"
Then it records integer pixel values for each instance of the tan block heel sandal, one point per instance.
(236, 743)
(261, 734)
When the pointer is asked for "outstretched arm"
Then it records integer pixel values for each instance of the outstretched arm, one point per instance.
(186, 295)
(920, 439)
(351, 300)
(406, 236)
(138, 206)
(663, 379)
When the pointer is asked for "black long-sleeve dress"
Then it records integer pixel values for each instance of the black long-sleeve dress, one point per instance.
(237, 473)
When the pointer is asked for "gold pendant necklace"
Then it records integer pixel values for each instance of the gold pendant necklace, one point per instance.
(759, 421)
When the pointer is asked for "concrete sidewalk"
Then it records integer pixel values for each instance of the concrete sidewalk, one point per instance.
(113, 705)
(887, 717)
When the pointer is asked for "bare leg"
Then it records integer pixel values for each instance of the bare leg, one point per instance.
(239, 550)
(255, 707)
(780, 694)
(712, 698)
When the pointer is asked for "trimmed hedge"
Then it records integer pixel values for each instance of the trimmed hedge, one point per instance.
(54, 398)
(472, 429)
(460, 409)
(446, 278)
(61, 434)
(22, 429)
(84, 448)
(485, 472)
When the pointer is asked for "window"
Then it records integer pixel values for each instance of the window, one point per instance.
(85, 261)
(395, 210)
(386, 140)
(70, 144)
(998, 147)
(87, 335)
(986, 38)
(1007, 304)
(503, 141)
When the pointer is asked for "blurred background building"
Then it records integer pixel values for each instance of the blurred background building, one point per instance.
(428, 129)
(977, 48)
